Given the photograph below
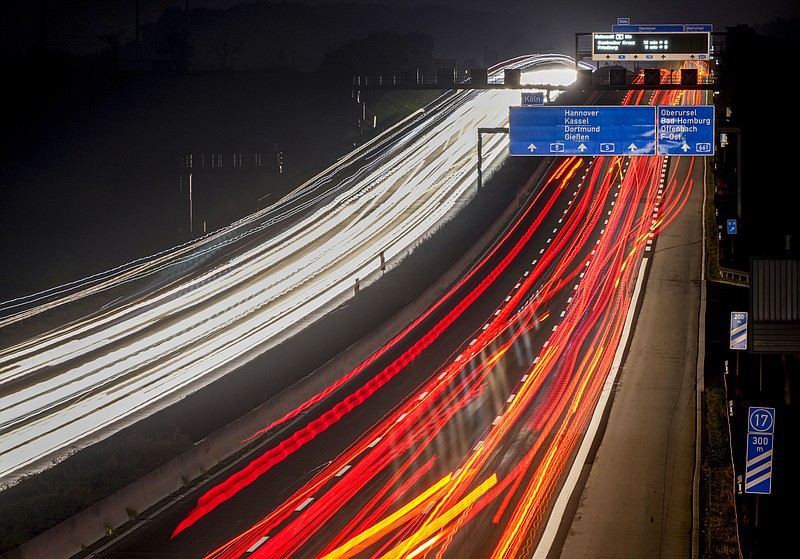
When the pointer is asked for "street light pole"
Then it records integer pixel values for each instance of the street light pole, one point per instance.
(191, 218)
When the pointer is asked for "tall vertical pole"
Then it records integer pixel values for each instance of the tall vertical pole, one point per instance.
(576, 50)
(739, 175)
(137, 29)
(480, 160)
(191, 217)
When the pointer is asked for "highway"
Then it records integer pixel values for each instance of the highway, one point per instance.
(471, 419)
(468, 420)
(211, 305)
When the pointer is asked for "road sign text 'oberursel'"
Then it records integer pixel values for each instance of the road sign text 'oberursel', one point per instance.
(686, 130)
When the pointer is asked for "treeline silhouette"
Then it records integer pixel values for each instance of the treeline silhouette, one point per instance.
(752, 83)
(261, 34)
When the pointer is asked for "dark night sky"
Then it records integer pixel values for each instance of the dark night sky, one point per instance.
(80, 21)
(61, 169)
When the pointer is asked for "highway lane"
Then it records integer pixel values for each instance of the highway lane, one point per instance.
(421, 371)
(640, 494)
(161, 344)
(72, 385)
(478, 396)
(511, 402)
(639, 490)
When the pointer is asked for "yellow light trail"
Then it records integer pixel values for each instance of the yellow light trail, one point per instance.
(429, 529)
(369, 536)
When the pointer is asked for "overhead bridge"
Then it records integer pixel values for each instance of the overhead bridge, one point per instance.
(612, 79)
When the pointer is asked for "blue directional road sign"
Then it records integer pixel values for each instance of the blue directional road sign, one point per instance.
(582, 130)
(732, 227)
(738, 330)
(758, 467)
(686, 130)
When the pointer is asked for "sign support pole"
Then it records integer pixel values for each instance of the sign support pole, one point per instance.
(480, 160)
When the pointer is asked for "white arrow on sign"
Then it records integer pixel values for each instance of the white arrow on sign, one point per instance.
(632, 147)
(582, 147)
(685, 147)
(531, 148)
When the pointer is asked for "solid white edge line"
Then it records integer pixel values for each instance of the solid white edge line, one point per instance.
(700, 388)
(560, 506)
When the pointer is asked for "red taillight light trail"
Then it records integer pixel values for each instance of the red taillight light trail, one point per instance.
(554, 400)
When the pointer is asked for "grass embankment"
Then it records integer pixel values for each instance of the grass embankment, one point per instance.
(709, 214)
(718, 517)
(719, 534)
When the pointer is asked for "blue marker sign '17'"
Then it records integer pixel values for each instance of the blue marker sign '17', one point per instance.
(758, 466)
(582, 130)
(686, 130)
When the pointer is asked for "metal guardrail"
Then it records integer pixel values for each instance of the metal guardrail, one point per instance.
(735, 276)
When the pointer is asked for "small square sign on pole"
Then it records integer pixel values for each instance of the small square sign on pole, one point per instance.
(738, 330)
